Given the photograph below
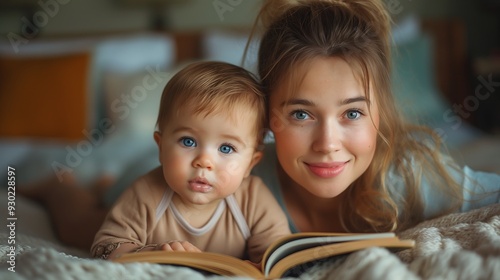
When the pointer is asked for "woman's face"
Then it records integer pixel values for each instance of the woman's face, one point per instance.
(325, 137)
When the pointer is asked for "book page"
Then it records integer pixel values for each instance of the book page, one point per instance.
(334, 249)
(305, 241)
(211, 262)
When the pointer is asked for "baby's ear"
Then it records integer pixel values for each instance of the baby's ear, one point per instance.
(157, 137)
(256, 157)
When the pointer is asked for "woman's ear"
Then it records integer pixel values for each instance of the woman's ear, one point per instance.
(256, 157)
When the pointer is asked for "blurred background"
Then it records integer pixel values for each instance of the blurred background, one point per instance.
(77, 17)
(98, 16)
(80, 80)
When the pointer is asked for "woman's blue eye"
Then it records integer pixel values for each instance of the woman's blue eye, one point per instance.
(300, 115)
(353, 114)
(188, 142)
(226, 149)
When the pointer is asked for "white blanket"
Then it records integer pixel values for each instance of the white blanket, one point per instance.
(456, 246)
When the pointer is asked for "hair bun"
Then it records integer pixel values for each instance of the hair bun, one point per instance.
(273, 9)
(372, 11)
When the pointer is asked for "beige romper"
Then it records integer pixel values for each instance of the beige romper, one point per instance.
(243, 225)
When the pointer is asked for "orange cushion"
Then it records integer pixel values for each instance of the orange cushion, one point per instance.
(44, 97)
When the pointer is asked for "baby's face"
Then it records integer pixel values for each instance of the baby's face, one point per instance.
(205, 158)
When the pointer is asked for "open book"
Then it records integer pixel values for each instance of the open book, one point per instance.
(282, 255)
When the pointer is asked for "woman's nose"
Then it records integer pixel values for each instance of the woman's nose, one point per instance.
(327, 138)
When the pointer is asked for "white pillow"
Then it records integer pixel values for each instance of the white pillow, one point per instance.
(132, 53)
(127, 55)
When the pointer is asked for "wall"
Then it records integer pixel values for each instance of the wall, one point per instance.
(63, 17)
(482, 22)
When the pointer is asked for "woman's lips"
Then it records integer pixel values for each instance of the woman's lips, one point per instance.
(326, 169)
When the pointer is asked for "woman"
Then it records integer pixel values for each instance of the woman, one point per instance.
(347, 160)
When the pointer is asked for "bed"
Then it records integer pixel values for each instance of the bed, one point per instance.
(111, 126)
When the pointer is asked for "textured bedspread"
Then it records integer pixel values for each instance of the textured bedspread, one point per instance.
(457, 246)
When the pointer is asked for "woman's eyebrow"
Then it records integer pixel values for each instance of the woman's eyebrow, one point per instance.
(305, 102)
(297, 101)
(353, 100)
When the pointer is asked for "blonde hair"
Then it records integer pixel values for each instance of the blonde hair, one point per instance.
(212, 87)
(358, 31)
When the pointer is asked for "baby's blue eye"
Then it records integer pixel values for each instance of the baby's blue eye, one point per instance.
(188, 142)
(226, 149)
(300, 115)
(353, 114)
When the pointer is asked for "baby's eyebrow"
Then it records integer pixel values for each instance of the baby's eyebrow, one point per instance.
(182, 129)
(235, 138)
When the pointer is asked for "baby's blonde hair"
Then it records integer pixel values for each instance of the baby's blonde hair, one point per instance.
(212, 87)
(358, 31)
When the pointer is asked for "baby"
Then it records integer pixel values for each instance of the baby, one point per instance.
(209, 133)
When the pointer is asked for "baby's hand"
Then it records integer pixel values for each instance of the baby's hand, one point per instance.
(176, 245)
